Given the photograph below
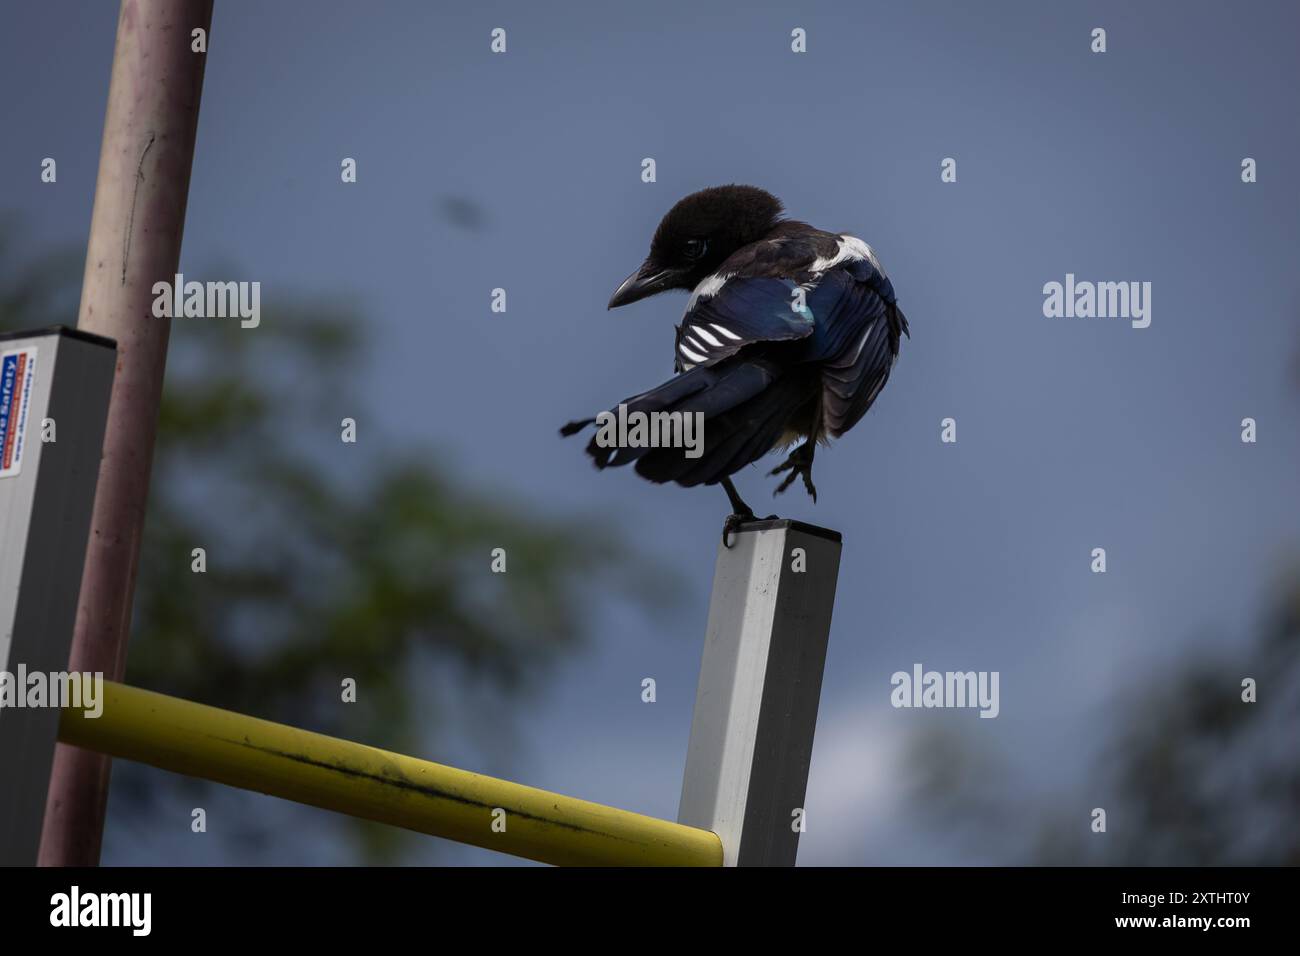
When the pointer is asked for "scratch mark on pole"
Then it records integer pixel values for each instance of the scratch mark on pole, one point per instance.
(135, 194)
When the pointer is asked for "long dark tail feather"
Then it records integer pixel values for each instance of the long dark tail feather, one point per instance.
(733, 439)
(744, 402)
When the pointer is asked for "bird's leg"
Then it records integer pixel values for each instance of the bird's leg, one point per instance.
(740, 512)
(738, 507)
(800, 461)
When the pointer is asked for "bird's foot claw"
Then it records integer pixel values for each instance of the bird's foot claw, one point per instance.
(732, 524)
(797, 465)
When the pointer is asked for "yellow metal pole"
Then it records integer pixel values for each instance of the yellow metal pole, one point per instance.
(199, 741)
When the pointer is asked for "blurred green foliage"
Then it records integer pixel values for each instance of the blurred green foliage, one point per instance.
(327, 560)
(1191, 774)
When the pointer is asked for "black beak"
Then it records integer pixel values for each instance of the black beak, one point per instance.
(646, 281)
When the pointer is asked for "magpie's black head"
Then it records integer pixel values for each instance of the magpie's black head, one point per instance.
(697, 236)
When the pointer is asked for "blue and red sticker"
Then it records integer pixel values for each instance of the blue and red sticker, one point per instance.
(16, 371)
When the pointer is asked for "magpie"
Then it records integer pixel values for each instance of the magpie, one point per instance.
(790, 333)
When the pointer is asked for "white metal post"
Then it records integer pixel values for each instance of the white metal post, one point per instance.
(760, 683)
(47, 488)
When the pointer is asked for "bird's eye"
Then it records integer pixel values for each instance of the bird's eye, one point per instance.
(694, 248)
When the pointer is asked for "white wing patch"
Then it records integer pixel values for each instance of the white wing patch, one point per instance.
(700, 331)
(850, 247)
(693, 356)
(707, 289)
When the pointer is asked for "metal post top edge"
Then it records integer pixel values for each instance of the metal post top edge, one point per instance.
(774, 524)
(63, 330)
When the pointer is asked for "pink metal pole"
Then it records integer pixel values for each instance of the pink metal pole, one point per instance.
(135, 241)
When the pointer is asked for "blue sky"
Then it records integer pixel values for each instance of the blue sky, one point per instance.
(1072, 433)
